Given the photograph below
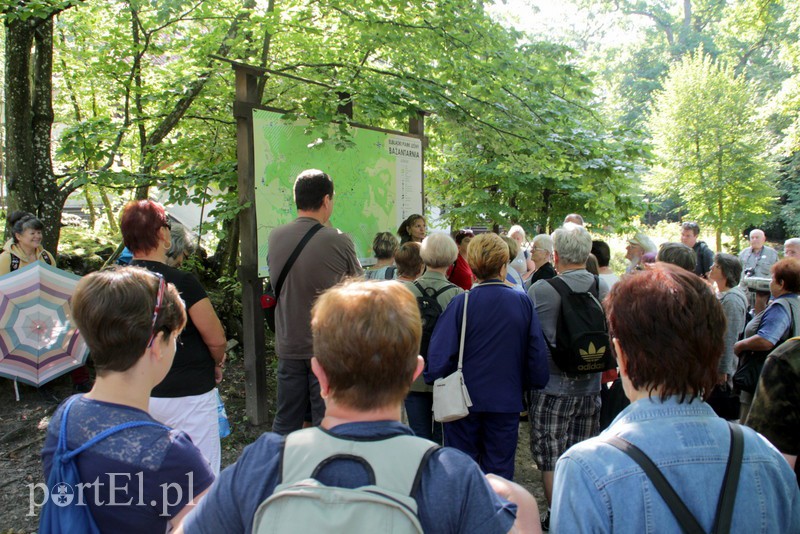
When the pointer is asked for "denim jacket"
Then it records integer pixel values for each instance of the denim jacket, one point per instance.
(598, 488)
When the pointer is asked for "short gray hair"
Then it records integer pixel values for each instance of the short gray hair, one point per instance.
(794, 241)
(572, 243)
(516, 229)
(543, 241)
(182, 242)
(438, 250)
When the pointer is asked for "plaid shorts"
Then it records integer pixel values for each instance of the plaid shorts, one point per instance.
(558, 422)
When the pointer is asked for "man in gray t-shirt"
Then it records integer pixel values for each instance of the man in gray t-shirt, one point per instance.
(567, 410)
(327, 258)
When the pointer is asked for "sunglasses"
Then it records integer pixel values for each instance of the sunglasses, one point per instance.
(162, 286)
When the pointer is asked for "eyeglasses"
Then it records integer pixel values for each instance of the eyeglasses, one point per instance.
(162, 286)
(168, 225)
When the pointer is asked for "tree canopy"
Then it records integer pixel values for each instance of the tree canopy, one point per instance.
(710, 147)
(138, 100)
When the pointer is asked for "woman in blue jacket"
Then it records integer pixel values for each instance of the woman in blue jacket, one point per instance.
(504, 355)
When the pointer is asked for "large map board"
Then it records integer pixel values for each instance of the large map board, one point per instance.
(377, 181)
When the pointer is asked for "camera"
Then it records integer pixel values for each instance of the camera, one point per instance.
(757, 284)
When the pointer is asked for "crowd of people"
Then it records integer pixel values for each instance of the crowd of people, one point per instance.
(362, 354)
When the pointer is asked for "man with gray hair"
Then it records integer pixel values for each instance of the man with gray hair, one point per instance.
(791, 248)
(757, 259)
(567, 410)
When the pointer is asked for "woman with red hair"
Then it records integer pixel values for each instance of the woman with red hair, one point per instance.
(186, 398)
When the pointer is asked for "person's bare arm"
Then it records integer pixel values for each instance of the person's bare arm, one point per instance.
(207, 323)
(754, 343)
(527, 510)
(177, 520)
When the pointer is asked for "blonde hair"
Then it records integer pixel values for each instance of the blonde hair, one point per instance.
(486, 255)
(366, 339)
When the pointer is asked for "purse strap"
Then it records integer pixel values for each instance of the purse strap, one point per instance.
(463, 331)
(687, 521)
(295, 253)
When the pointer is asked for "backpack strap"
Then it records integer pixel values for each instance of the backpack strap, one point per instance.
(46, 258)
(559, 285)
(14, 262)
(730, 481)
(389, 273)
(67, 455)
(388, 461)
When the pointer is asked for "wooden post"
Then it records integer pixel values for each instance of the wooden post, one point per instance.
(416, 126)
(255, 361)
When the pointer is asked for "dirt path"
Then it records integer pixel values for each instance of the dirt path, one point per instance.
(23, 425)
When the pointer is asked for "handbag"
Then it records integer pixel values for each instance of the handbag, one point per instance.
(269, 300)
(749, 370)
(451, 400)
(724, 401)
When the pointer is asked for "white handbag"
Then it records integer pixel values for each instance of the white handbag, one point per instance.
(450, 396)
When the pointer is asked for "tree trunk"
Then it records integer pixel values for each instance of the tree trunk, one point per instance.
(29, 119)
(720, 215)
(19, 142)
(687, 18)
(112, 219)
(87, 196)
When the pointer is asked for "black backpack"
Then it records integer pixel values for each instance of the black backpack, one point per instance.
(429, 311)
(582, 342)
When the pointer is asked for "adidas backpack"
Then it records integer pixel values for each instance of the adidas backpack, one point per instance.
(429, 311)
(582, 342)
(300, 503)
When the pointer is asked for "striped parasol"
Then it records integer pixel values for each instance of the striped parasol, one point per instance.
(38, 339)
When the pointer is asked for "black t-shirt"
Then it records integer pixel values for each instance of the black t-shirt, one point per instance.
(192, 372)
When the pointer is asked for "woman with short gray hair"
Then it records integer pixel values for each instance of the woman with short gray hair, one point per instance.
(181, 245)
(542, 255)
(438, 252)
(725, 273)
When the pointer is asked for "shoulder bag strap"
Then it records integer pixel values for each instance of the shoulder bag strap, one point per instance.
(727, 498)
(463, 331)
(685, 519)
(297, 250)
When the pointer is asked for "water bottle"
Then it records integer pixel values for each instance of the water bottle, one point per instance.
(222, 417)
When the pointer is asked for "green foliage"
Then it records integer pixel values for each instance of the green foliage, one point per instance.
(710, 148)
(527, 106)
(23, 10)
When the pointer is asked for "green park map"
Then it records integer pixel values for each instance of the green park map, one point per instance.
(377, 179)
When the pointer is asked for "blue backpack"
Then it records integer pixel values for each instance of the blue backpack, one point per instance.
(62, 513)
